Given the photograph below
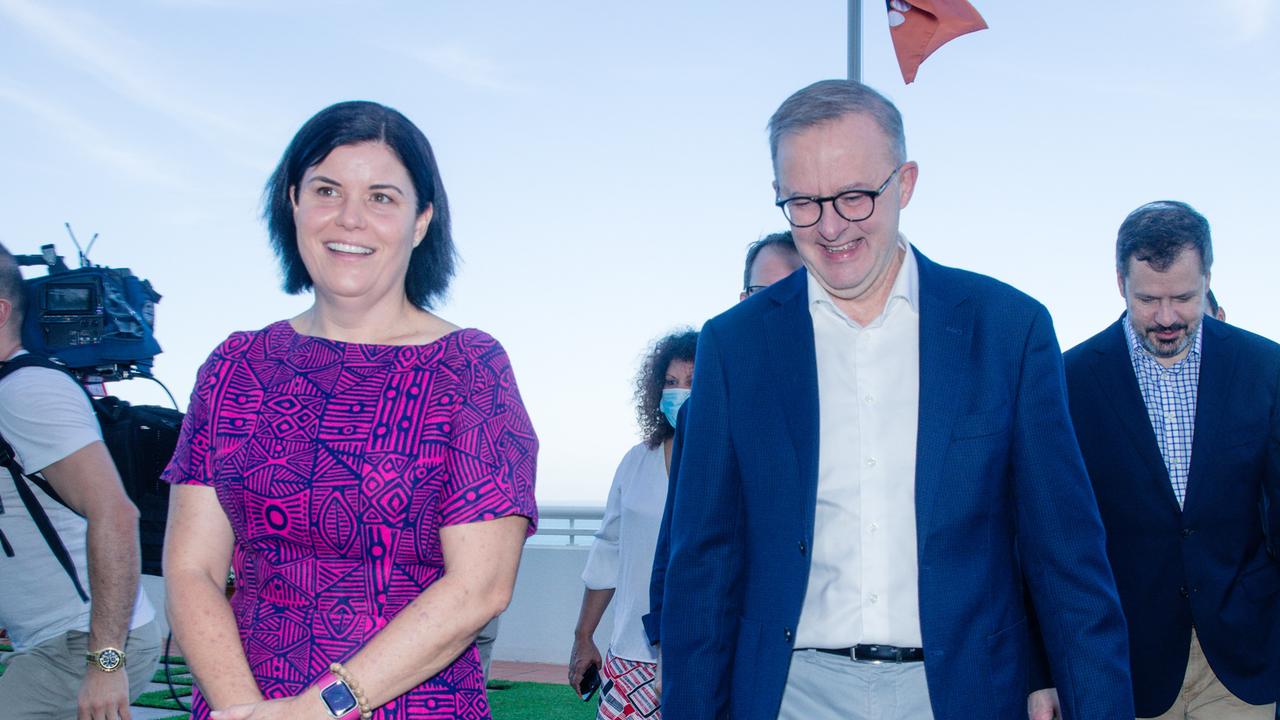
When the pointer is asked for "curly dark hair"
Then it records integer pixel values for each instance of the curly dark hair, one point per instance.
(431, 263)
(679, 345)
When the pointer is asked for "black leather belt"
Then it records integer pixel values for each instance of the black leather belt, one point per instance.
(878, 653)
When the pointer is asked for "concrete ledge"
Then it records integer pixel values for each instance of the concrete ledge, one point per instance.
(538, 625)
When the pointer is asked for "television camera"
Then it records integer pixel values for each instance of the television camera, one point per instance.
(97, 321)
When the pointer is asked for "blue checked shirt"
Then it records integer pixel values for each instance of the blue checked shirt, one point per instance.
(1170, 396)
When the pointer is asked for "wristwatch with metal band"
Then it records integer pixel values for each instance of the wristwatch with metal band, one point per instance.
(338, 698)
(107, 659)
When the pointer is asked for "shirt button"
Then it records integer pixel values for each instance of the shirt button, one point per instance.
(871, 462)
(803, 548)
(874, 527)
(786, 634)
(870, 399)
(873, 598)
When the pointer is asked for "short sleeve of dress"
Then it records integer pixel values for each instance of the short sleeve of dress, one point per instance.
(492, 454)
(190, 464)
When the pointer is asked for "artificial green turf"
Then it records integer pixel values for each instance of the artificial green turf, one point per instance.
(162, 699)
(179, 673)
(529, 701)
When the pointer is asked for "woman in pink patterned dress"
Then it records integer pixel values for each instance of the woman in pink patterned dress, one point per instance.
(366, 467)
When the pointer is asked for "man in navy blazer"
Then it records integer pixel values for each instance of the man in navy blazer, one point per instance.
(877, 452)
(1178, 417)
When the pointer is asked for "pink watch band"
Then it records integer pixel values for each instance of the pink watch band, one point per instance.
(329, 679)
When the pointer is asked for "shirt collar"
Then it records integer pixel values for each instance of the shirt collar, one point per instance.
(906, 287)
(1140, 352)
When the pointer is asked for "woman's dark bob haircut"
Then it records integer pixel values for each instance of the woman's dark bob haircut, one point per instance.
(431, 264)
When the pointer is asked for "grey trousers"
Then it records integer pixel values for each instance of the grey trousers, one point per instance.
(822, 686)
(44, 682)
(484, 643)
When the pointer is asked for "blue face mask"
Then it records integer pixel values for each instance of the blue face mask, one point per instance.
(672, 399)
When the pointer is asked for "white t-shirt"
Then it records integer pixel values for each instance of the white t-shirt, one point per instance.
(45, 417)
(622, 554)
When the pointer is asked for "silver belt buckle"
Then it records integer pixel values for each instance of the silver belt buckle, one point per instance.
(869, 661)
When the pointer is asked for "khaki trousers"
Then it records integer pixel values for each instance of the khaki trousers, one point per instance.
(44, 682)
(1204, 697)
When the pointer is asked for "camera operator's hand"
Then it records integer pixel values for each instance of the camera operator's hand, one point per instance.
(103, 695)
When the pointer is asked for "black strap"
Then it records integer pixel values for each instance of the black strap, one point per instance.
(9, 460)
(30, 360)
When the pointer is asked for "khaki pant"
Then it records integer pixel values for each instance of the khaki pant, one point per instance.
(43, 683)
(1203, 696)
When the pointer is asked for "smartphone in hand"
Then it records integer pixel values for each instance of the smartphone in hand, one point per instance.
(590, 682)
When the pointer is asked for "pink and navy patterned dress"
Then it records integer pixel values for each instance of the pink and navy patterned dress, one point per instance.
(337, 465)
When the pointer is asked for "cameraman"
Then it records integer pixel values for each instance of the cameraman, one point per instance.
(74, 657)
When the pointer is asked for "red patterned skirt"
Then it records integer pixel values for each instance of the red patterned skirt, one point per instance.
(628, 691)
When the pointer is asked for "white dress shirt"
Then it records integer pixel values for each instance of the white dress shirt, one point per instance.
(863, 584)
(622, 554)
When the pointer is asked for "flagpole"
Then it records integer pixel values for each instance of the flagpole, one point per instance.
(855, 40)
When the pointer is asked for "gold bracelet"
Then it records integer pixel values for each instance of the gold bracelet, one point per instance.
(361, 700)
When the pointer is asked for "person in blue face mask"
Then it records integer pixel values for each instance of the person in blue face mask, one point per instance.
(621, 559)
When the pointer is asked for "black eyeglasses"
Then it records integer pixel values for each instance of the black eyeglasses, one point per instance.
(852, 205)
(753, 288)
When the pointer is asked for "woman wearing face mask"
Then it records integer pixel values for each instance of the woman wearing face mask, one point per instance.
(621, 559)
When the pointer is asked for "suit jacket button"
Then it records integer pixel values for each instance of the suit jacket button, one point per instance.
(803, 548)
(1183, 591)
(786, 634)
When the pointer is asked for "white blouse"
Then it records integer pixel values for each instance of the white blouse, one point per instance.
(622, 555)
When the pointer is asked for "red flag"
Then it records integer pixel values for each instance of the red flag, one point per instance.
(919, 27)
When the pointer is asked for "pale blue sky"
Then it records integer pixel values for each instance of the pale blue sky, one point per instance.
(607, 162)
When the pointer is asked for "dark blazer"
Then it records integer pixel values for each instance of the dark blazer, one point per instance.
(998, 475)
(1207, 563)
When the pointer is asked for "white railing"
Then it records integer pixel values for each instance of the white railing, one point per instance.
(567, 524)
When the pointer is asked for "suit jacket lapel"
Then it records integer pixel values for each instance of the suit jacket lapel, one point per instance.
(946, 330)
(793, 363)
(1217, 367)
(1113, 369)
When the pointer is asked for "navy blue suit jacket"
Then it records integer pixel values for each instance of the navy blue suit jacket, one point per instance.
(998, 476)
(1206, 563)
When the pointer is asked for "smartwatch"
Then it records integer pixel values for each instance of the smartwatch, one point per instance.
(338, 699)
(107, 659)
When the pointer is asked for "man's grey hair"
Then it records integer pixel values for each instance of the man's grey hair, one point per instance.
(828, 100)
(11, 287)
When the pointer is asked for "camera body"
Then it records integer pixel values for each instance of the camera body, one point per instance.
(98, 321)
